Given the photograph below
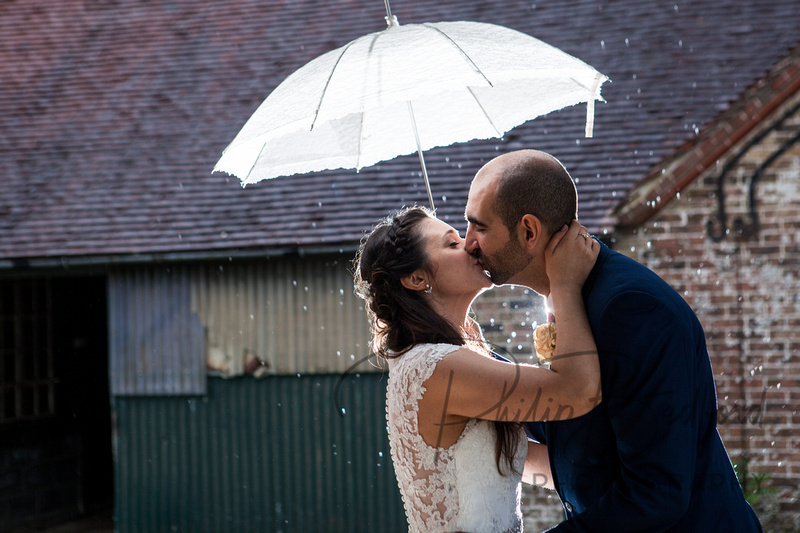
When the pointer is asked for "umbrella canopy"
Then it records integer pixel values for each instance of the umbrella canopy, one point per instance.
(407, 88)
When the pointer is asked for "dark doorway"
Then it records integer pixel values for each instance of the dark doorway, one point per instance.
(55, 415)
(83, 404)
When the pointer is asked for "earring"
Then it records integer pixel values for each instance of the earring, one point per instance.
(428, 289)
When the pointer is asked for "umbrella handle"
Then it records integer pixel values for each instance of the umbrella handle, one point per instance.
(421, 157)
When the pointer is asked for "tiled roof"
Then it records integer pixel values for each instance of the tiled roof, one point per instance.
(112, 114)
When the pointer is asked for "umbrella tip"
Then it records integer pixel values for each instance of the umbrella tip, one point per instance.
(391, 21)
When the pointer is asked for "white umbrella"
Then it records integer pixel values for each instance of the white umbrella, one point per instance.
(404, 89)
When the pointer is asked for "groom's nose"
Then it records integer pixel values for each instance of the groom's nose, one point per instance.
(471, 242)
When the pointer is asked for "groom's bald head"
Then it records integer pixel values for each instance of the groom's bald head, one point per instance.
(530, 182)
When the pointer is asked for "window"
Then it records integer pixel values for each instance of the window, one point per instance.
(27, 377)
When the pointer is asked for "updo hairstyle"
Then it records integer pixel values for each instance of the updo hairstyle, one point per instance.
(399, 317)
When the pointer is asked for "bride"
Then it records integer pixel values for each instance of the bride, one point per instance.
(454, 411)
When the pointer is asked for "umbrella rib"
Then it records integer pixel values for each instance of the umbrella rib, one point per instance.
(485, 114)
(471, 62)
(327, 83)
(247, 178)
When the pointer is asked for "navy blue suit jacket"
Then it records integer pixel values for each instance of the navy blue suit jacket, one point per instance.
(649, 457)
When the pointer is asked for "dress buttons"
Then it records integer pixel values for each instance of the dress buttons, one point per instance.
(568, 507)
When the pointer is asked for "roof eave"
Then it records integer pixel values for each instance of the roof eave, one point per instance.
(104, 261)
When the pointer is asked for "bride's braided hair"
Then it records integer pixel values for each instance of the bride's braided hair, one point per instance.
(400, 318)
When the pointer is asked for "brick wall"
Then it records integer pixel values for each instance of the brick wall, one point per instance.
(746, 292)
(508, 315)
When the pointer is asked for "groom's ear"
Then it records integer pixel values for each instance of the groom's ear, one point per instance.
(531, 231)
(414, 282)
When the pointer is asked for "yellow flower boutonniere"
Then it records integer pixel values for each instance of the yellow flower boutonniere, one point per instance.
(544, 340)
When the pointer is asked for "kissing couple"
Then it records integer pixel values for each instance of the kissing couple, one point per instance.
(598, 426)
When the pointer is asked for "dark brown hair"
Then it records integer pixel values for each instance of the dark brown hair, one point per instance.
(400, 318)
(536, 184)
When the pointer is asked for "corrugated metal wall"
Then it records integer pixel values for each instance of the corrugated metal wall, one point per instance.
(268, 454)
(295, 314)
(298, 314)
(156, 345)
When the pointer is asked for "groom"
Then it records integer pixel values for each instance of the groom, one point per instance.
(648, 457)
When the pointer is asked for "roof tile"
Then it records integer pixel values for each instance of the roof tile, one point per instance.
(113, 114)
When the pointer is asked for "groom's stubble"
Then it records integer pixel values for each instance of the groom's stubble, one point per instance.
(507, 263)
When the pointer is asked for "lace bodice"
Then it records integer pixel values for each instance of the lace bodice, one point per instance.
(447, 489)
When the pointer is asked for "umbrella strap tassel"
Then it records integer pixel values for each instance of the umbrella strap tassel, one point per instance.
(590, 105)
(421, 157)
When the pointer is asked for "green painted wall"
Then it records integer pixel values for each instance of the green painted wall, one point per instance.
(270, 454)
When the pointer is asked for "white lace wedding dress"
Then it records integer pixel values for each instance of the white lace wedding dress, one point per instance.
(447, 489)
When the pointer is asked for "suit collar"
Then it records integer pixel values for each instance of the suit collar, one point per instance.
(605, 251)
